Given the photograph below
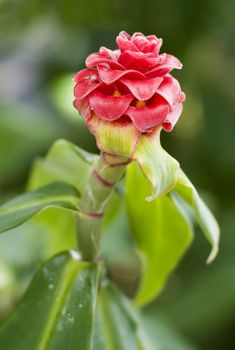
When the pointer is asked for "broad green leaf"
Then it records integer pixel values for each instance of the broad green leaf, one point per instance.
(25, 247)
(52, 230)
(18, 210)
(64, 162)
(125, 267)
(157, 165)
(185, 189)
(115, 327)
(118, 326)
(57, 310)
(68, 163)
(162, 233)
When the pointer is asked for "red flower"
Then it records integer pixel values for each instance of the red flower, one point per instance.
(132, 82)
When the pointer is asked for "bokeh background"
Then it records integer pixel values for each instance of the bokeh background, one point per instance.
(42, 44)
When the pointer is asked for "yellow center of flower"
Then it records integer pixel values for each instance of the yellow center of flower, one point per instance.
(116, 93)
(140, 104)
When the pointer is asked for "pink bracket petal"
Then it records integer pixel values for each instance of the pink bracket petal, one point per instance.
(109, 107)
(142, 89)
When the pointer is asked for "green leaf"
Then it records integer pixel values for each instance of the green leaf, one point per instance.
(64, 162)
(52, 230)
(68, 163)
(157, 165)
(185, 189)
(24, 207)
(124, 268)
(162, 233)
(57, 310)
(115, 328)
(118, 326)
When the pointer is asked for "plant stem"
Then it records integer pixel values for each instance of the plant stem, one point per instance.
(105, 173)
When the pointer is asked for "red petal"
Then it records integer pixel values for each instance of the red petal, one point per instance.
(113, 54)
(87, 81)
(124, 34)
(148, 118)
(153, 38)
(97, 58)
(152, 46)
(169, 62)
(170, 89)
(142, 89)
(148, 43)
(129, 56)
(109, 76)
(137, 34)
(172, 117)
(83, 107)
(125, 44)
(85, 87)
(137, 60)
(109, 107)
(87, 73)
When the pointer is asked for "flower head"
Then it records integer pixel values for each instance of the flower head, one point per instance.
(127, 96)
(132, 83)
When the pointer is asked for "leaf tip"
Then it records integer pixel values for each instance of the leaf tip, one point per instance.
(213, 254)
(152, 196)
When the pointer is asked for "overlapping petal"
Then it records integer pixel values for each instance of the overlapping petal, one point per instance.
(152, 46)
(87, 73)
(137, 60)
(109, 107)
(83, 106)
(148, 118)
(170, 89)
(142, 89)
(109, 76)
(172, 118)
(124, 43)
(98, 58)
(153, 38)
(113, 54)
(124, 34)
(147, 44)
(139, 42)
(168, 63)
(86, 82)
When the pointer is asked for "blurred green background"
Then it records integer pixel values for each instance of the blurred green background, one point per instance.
(42, 44)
